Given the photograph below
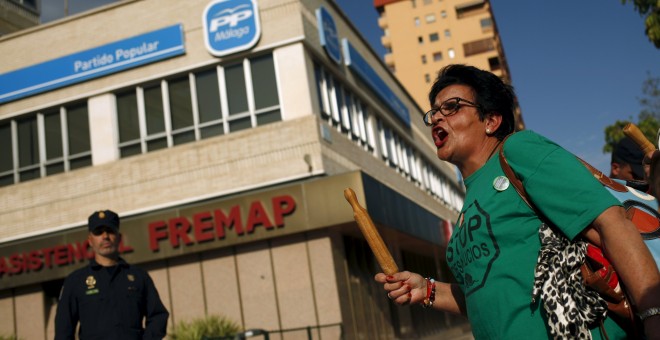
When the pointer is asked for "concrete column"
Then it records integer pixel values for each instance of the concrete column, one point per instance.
(30, 313)
(7, 326)
(103, 129)
(295, 88)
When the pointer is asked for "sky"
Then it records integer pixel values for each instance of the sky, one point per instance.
(577, 66)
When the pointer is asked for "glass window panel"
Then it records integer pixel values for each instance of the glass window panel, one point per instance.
(153, 106)
(6, 180)
(240, 124)
(53, 169)
(27, 175)
(157, 144)
(236, 93)
(211, 131)
(6, 152)
(208, 95)
(180, 103)
(53, 129)
(127, 116)
(78, 125)
(80, 162)
(130, 150)
(185, 137)
(264, 82)
(28, 147)
(319, 85)
(269, 117)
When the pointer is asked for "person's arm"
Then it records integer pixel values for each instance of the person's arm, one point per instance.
(66, 317)
(410, 288)
(624, 247)
(157, 314)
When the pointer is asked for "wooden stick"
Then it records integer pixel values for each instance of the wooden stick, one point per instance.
(631, 130)
(370, 233)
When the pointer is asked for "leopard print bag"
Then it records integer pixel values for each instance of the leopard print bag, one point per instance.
(571, 307)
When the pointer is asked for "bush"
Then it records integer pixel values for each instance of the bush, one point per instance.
(8, 337)
(210, 326)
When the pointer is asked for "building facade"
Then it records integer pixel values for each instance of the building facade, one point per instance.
(16, 15)
(422, 36)
(224, 134)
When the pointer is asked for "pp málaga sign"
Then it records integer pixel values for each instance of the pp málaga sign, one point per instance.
(231, 26)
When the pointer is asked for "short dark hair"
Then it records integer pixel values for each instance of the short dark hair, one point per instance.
(492, 94)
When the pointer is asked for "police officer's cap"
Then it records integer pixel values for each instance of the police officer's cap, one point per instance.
(103, 218)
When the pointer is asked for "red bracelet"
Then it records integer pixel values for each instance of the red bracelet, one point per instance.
(430, 293)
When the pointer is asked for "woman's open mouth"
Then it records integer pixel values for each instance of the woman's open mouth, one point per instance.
(439, 136)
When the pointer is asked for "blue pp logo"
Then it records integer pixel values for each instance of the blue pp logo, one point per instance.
(231, 26)
(328, 34)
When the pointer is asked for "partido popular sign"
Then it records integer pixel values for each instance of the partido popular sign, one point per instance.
(92, 63)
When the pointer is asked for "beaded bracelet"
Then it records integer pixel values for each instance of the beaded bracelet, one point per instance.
(430, 293)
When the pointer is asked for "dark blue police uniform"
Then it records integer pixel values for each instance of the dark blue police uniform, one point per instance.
(110, 303)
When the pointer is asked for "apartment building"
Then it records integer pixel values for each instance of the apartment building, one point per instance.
(224, 134)
(422, 36)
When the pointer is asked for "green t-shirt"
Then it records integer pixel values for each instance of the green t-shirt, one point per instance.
(495, 244)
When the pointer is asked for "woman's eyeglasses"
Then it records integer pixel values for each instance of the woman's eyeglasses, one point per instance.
(448, 108)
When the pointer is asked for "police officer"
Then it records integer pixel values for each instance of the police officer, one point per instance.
(109, 298)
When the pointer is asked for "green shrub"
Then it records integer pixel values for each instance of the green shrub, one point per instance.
(210, 326)
(8, 337)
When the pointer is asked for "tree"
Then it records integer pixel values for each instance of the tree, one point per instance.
(650, 8)
(648, 120)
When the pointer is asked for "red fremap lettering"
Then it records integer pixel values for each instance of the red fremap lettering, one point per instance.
(203, 226)
(233, 221)
(156, 232)
(257, 216)
(282, 206)
(179, 228)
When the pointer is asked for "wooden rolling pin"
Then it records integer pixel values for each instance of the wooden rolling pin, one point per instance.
(370, 233)
(631, 130)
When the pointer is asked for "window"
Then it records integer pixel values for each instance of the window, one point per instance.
(437, 56)
(471, 8)
(427, 78)
(344, 110)
(451, 53)
(417, 22)
(443, 14)
(430, 18)
(6, 154)
(198, 105)
(427, 2)
(423, 59)
(44, 143)
(447, 33)
(486, 24)
(420, 40)
(479, 46)
(434, 37)
(494, 63)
